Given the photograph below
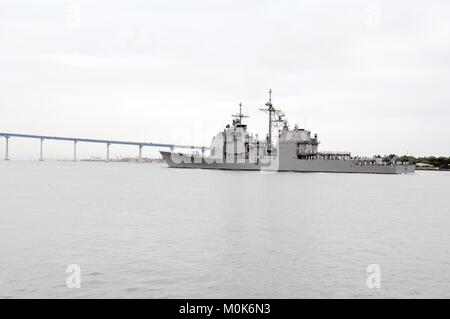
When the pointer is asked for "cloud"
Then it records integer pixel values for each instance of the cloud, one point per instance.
(362, 63)
(104, 62)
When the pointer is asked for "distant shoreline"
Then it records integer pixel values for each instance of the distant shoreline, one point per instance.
(124, 160)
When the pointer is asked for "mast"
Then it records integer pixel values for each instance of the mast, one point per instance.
(272, 111)
(240, 115)
(269, 104)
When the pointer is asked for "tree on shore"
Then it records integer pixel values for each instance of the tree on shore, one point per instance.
(440, 162)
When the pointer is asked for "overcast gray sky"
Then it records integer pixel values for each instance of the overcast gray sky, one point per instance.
(371, 77)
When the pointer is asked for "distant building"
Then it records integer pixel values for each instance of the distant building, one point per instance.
(424, 165)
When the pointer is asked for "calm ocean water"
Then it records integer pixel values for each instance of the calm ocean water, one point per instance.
(147, 231)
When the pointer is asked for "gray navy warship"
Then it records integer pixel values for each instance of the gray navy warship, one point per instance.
(235, 148)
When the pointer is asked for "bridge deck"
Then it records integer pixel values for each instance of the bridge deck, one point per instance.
(89, 140)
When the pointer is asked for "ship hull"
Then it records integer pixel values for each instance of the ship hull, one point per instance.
(177, 160)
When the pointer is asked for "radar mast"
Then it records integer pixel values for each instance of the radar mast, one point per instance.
(275, 116)
(239, 116)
